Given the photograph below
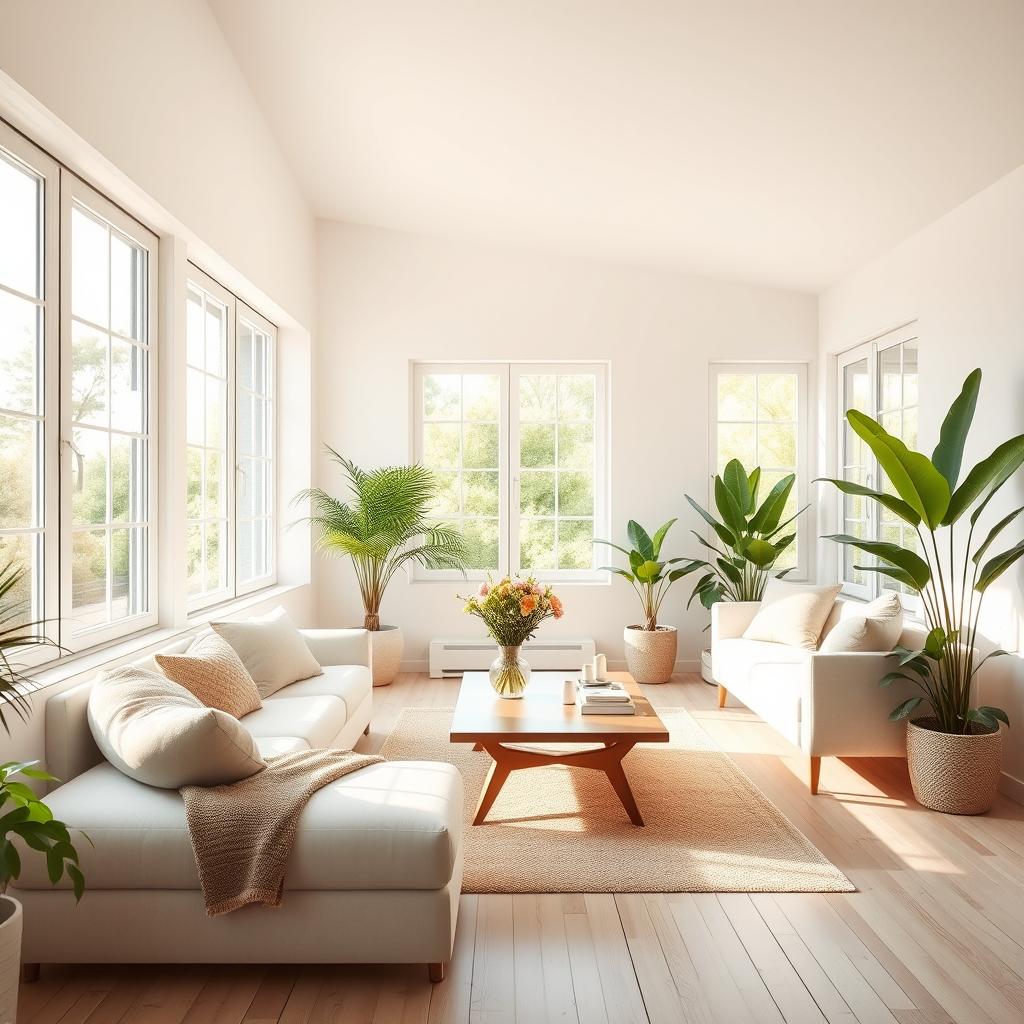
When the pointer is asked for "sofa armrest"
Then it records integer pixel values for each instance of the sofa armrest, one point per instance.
(729, 619)
(339, 646)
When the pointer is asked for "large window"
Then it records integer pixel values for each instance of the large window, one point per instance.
(878, 378)
(759, 416)
(76, 376)
(519, 451)
(230, 445)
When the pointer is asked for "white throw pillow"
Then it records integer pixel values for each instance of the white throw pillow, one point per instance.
(792, 614)
(875, 626)
(271, 649)
(158, 733)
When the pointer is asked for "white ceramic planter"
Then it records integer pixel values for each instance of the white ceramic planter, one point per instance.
(10, 957)
(386, 646)
(705, 667)
(650, 654)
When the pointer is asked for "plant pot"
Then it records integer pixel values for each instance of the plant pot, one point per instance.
(650, 653)
(705, 667)
(953, 773)
(10, 957)
(386, 646)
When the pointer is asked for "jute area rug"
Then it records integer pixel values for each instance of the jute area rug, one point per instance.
(558, 829)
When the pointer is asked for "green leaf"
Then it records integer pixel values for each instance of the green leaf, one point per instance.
(618, 572)
(649, 572)
(659, 537)
(77, 881)
(891, 572)
(639, 539)
(730, 571)
(54, 866)
(618, 547)
(12, 862)
(782, 526)
(905, 709)
(949, 452)
(916, 480)
(994, 532)
(767, 517)
(735, 478)
(935, 644)
(909, 561)
(995, 713)
(996, 566)
(684, 570)
(711, 595)
(761, 553)
(704, 581)
(990, 473)
(729, 508)
(895, 505)
(753, 484)
(890, 677)
(724, 534)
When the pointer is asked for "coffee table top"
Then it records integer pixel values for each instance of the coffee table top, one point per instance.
(541, 717)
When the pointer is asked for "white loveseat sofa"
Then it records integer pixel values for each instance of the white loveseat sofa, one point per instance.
(826, 704)
(374, 876)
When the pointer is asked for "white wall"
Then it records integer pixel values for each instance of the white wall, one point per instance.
(388, 297)
(961, 279)
(146, 102)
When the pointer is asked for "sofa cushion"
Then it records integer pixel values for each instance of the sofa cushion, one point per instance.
(212, 671)
(792, 614)
(393, 825)
(156, 732)
(352, 683)
(875, 626)
(271, 648)
(316, 720)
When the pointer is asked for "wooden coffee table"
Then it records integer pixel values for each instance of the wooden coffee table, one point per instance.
(491, 723)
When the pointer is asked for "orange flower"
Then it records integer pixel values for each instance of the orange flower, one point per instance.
(556, 606)
(527, 605)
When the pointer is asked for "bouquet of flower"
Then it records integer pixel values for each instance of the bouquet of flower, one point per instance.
(512, 610)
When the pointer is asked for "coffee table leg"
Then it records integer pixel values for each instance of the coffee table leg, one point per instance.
(496, 776)
(617, 777)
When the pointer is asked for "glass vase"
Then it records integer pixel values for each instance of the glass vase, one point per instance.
(509, 673)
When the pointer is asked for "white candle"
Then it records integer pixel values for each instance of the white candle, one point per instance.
(600, 667)
(568, 691)
(588, 673)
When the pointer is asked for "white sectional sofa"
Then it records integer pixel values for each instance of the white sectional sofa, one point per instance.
(374, 877)
(826, 704)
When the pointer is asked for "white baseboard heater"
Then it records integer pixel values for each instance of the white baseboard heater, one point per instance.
(453, 657)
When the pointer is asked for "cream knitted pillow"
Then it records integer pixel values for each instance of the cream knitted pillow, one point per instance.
(875, 626)
(212, 671)
(792, 614)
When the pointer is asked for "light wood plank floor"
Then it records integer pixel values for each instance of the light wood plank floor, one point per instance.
(935, 932)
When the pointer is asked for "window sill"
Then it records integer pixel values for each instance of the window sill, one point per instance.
(138, 644)
(555, 584)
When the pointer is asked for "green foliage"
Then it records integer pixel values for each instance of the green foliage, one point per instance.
(24, 815)
(385, 527)
(749, 534)
(951, 579)
(649, 575)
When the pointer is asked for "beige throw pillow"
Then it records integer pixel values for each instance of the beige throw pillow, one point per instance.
(271, 649)
(212, 672)
(875, 626)
(158, 733)
(792, 614)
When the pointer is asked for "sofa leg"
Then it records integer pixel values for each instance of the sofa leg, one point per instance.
(366, 731)
(813, 773)
(722, 695)
(29, 973)
(435, 972)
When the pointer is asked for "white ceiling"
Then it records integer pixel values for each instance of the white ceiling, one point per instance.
(783, 142)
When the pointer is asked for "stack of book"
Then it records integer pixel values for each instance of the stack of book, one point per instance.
(605, 699)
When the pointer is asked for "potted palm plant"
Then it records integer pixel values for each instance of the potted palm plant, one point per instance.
(750, 539)
(954, 751)
(22, 814)
(650, 646)
(385, 526)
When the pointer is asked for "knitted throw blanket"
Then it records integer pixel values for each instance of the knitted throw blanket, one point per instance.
(243, 834)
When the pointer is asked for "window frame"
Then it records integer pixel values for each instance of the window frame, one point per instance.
(871, 351)
(46, 604)
(72, 190)
(804, 568)
(509, 373)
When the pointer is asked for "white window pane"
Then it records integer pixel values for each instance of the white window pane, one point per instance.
(244, 357)
(18, 447)
(253, 497)
(776, 446)
(777, 396)
(194, 482)
(480, 396)
(216, 557)
(195, 568)
(127, 285)
(128, 456)
(890, 389)
(737, 396)
(480, 446)
(576, 544)
(215, 497)
(480, 493)
(576, 396)
(25, 598)
(128, 589)
(89, 579)
(538, 397)
(537, 494)
(737, 441)
(128, 386)
(575, 494)
(89, 459)
(481, 536)
(575, 446)
(195, 329)
(216, 337)
(216, 412)
(537, 445)
(20, 203)
(447, 499)
(442, 445)
(89, 376)
(195, 401)
(20, 331)
(442, 396)
(253, 550)
(857, 387)
(537, 544)
(90, 268)
(261, 363)
(910, 373)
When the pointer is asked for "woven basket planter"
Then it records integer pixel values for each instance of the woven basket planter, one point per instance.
(952, 773)
(650, 654)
